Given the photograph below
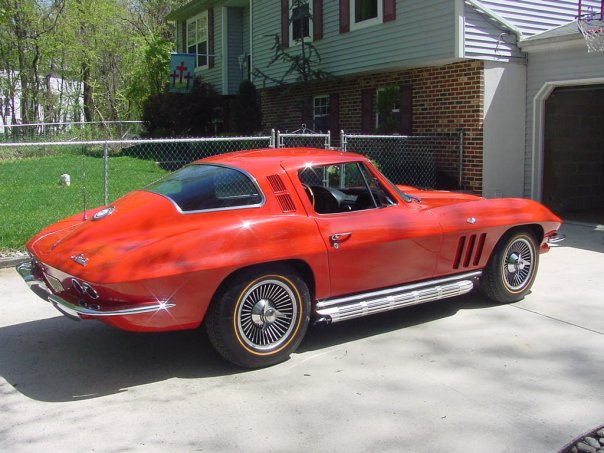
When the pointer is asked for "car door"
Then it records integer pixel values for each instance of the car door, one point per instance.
(373, 238)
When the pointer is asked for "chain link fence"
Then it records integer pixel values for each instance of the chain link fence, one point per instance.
(42, 182)
(427, 162)
(70, 131)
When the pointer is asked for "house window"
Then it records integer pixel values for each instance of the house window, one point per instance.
(300, 26)
(321, 113)
(364, 13)
(197, 38)
(388, 110)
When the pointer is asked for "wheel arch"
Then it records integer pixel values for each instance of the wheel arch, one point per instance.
(301, 267)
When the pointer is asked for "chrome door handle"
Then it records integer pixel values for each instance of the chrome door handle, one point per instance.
(337, 238)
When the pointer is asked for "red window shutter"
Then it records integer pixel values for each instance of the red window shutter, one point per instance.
(334, 114)
(367, 110)
(389, 7)
(285, 23)
(344, 16)
(210, 38)
(406, 109)
(317, 20)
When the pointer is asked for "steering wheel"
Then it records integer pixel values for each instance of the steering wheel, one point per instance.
(310, 194)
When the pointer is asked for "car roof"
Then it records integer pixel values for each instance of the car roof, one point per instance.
(272, 159)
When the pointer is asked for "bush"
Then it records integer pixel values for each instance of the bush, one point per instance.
(246, 109)
(193, 114)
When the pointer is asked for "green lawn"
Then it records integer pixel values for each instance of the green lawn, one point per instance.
(31, 196)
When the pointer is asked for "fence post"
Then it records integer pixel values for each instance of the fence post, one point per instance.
(106, 173)
(342, 140)
(328, 140)
(461, 134)
(272, 143)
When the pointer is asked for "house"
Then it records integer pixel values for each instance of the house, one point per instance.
(484, 66)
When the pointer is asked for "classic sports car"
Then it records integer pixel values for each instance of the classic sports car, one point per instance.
(255, 244)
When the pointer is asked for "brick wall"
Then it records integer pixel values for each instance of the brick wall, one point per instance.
(445, 99)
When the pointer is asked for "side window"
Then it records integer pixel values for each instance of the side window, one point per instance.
(343, 188)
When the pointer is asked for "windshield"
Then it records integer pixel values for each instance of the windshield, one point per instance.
(202, 187)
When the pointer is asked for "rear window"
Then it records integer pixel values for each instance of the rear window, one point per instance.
(202, 187)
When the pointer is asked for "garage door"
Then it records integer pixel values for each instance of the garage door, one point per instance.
(573, 164)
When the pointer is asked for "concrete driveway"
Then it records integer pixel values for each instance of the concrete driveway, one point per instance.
(460, 375)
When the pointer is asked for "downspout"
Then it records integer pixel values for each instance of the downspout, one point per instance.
(460, 30)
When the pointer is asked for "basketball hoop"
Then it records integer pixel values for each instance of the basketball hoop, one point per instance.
(591, 27)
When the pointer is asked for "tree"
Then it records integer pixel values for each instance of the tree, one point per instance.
(301, 61)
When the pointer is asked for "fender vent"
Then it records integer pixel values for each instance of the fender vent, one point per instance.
(284, 199)
(276, 183)
(469, 251)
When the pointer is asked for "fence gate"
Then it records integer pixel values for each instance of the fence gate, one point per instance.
(303, 138)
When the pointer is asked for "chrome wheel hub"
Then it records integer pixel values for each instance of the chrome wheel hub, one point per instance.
(267, 314)
(264, 314)
(518, 264)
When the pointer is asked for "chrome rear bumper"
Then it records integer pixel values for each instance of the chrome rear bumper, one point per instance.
(76, 312)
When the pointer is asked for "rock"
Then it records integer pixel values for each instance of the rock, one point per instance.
(600, 432)
(593, 442)
(582, 446)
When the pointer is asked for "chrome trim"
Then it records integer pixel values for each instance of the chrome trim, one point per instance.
(230, 208)
(343, 308)
(558, 237)
(26, 271)
(73, 311)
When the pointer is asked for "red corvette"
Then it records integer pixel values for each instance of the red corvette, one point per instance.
(255, 244)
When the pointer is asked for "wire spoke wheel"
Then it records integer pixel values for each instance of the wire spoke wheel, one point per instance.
(518, 262)
(266, 315)
(260, 315)
(512, 267)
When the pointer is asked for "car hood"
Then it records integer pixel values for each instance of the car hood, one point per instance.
(430, 199)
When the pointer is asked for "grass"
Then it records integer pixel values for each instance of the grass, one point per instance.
(31, 196)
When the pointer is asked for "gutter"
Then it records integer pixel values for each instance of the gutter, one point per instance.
(496, 17)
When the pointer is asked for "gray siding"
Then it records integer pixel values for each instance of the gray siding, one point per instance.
(423, 34)
(486, 39)
(555, 66)
(536, 16)
(235, 48)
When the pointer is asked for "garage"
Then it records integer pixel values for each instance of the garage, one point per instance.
(573, 153)
(564, 155)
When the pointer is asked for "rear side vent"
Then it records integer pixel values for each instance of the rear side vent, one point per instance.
(284, 199)
(276, 183)
(469, 251)
(286, 202)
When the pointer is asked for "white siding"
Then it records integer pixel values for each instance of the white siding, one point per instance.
(485, 39)
(547, 69)
(536, 16)
(503, 129)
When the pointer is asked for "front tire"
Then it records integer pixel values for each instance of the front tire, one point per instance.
(512, 268)
(260, 317)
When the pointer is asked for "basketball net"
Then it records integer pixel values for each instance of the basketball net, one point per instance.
(591, 27)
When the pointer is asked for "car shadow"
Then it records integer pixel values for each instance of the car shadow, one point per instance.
(58, 360)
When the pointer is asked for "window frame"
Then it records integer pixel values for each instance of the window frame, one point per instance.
(364, 171)
(193, 20)
(377, 110)
(292, 40)
(354, 25)
(252, 180)
(323, 115)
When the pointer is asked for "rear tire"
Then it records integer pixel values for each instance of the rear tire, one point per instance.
(260, 317)
(511, 269)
